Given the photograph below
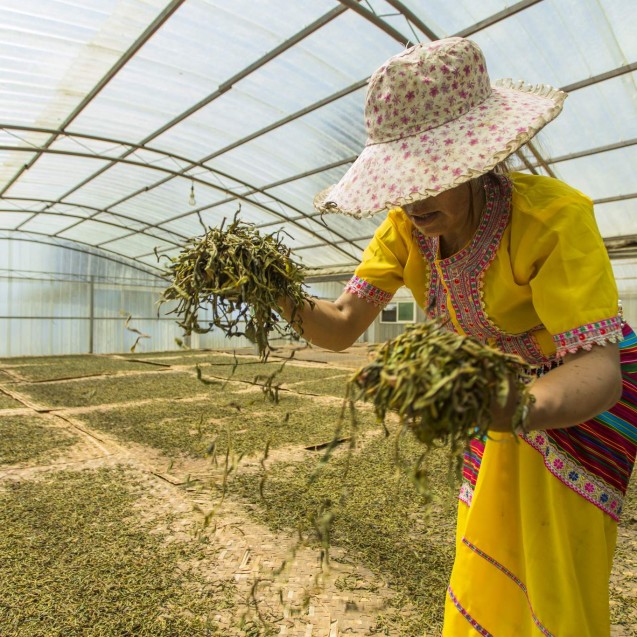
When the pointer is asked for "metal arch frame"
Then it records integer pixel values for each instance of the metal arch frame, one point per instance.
(227, 85)
(69, 277)
(107, 210)
(151, 30)
(109, 255)
(177, 158)
(235, 196)
(142, 164)
(193, 164)
(143, 231)
(159, 21)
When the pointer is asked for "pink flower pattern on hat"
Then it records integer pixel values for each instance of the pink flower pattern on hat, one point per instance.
(434, 121)
(410, 95)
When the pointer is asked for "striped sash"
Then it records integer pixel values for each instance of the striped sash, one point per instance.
(595, 458)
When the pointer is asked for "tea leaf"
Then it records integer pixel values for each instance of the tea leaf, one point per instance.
(442, 385)
(239, 275)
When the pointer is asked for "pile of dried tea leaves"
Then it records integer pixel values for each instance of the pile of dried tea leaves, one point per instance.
(442, 385)
(239, 275)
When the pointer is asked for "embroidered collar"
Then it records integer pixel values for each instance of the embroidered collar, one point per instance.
(481, 249)
(456, 282)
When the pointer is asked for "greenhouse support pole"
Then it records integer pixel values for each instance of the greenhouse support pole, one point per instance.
(91, 314)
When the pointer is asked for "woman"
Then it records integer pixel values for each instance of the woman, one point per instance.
(516, 261)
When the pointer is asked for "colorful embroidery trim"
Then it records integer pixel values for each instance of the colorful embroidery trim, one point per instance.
(466, 493)
(368, 292)
(575, 476)
(584, 337)
(480, 629)
(511, 576)
(472, 459)
(595, 458)
(458, 279)
(470, 468)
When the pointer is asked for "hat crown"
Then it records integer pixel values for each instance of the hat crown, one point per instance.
(424, 87)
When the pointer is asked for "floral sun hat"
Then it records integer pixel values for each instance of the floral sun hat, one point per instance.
(433, 122)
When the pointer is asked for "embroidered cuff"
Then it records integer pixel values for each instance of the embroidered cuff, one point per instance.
(367, 291)
(584, 337)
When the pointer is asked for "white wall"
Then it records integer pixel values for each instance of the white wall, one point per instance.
(59, 299)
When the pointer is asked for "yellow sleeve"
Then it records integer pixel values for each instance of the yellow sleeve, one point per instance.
(380, 272)
(556, 246)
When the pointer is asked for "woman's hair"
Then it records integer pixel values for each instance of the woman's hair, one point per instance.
(503, 168)
(507, 165)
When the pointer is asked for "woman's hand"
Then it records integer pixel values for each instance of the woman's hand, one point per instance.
(502, 415)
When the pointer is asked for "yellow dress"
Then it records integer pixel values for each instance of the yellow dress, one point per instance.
(537, 515)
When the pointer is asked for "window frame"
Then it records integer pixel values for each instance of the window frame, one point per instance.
(398, 321)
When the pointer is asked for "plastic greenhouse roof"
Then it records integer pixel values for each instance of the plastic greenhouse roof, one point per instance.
(126, 123)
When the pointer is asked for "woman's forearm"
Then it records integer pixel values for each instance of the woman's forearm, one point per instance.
(334, 325)
(587, 384)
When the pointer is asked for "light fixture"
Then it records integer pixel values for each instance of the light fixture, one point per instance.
(191, 200)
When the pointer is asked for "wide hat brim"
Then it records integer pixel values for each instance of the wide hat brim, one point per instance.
(398, 172)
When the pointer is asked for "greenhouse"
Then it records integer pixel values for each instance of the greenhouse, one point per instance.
(178, 459)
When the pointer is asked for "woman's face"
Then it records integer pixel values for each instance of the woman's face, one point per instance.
(443, 215)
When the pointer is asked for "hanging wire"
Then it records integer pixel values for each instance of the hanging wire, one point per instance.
(22, 139)
(411, 28)
(394, 15)
(97, 153)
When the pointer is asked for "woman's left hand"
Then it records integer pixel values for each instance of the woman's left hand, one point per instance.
(502, 415)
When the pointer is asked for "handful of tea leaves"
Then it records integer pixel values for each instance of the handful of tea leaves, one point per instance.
(441, 384)
(239, 275)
